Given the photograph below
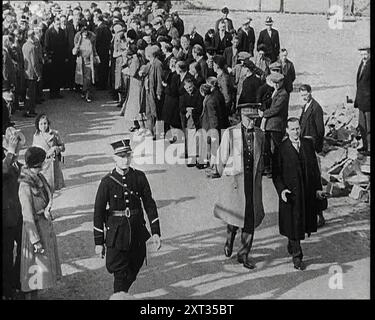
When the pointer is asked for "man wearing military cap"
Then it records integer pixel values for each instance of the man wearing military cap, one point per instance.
(270, 38)
(240, 198)
(275, 118)
(122, 227)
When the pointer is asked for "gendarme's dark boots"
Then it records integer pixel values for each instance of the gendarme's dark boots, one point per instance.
(231, 235)
(243, 253)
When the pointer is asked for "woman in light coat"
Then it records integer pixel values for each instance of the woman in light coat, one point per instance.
(87, 57)
(50, 141)
(40, 264)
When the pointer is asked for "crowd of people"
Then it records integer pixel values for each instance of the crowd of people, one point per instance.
(160, 73)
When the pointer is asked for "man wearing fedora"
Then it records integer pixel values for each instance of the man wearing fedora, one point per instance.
(363, 98)
(120, 232)
(12, 220)
(240, 198)
(270, 38)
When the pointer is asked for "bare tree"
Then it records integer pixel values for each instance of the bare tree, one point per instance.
(281, 5)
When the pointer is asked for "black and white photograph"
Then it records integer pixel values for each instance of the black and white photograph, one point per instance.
(193, 150)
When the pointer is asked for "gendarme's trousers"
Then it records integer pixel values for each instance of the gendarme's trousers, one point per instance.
(125, 265)
(364, 125)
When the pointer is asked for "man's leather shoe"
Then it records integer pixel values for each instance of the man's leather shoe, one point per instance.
(321, 221)
(248, 264)
(299, 264)
(246, 261)
(201, 166)
(228, 250)
(190, 165)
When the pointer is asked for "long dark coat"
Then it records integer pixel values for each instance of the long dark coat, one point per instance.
(299, 173)
(363, 96)
(246, 41)
(289, 75)
(312, 124)
(171, 112)
(154, 88)
(272, 44)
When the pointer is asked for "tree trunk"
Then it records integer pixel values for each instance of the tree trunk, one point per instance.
(281, 6)
(260, 5)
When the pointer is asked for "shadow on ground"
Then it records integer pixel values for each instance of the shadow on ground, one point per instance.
(193, 266)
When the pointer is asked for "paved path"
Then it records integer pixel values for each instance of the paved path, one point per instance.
(191, 263)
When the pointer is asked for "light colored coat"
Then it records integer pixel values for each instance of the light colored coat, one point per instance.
(230, 206)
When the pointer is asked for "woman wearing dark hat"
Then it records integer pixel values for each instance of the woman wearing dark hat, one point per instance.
(121, 84)
(131, 107)
(87, 57)
(40, 264)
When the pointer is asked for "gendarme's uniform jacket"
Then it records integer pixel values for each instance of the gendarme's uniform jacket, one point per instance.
(127, 195)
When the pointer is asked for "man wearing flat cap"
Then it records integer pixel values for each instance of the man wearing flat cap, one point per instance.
(363, 98)
(240, 198)
(120, 232)
(270, 38)
(262, 62)
(275, 117)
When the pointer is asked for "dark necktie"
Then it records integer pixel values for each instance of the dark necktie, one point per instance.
(363, 68)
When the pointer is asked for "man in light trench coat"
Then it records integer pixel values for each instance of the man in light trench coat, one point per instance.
(240, 165)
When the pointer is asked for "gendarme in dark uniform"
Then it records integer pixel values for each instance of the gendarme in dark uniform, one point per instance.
(122, 226)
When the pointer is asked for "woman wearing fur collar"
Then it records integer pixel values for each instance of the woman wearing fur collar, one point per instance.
(40, 265)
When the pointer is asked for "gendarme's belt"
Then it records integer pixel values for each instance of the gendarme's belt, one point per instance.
(124, 213)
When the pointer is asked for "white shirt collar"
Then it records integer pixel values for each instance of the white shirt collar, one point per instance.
(308, 104)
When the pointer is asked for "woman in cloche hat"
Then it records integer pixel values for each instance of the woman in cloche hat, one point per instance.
(40, 264)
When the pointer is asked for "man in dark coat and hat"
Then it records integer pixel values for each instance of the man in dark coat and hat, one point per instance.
(296, 177)
(270, 38)
(56, 46)
(312, 126)
(363, 98)
(125, 190)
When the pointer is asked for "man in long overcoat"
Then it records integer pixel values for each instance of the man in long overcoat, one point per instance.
(56, 47)
(363, 98)
(154, 88)
(296, 177)
(240, 165)
(270, 38)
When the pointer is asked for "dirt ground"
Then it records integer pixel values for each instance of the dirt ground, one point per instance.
(191, 264)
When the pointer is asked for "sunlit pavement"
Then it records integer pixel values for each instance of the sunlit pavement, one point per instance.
(191, 263)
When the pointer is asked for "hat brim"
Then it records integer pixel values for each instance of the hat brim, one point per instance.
(123, 153)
